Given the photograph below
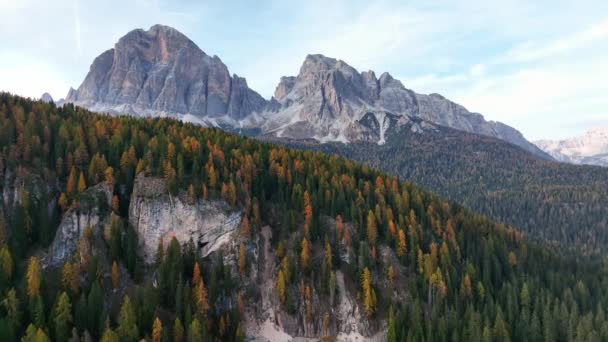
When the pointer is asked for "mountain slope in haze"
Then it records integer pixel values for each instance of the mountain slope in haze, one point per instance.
(138, 215)
(161, 72)
(563, 204)
(329, 100)
(590, 148)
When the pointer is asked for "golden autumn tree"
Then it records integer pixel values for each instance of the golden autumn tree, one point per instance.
(401, 243)
(339, 226)
(232, 194)
(326, 324)
(196, 274)
(368, 293)
(70, 186)
(328, 254)
(390, 275)
(245, 229)
(307, 214)
(115, 275)
(372, 230)
(33, 278)
(212, 177)
(391, 228)
(304, 254)
(346, 238)
(242, 259)
(191, 195)
(281, 286)
(201, 296)
(512, 259)
(157, 331)
(69, 277)
(108, 176)
(466, 288)
(63, 202)
(115, 203)
(82, 185)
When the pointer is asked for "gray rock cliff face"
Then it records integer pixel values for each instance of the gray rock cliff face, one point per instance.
(93, 211)
(162, 72)
(330, 98)
(156, 215)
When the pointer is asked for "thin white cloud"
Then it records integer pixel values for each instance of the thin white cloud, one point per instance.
(529, 52)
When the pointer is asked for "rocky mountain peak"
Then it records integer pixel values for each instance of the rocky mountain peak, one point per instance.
(162, 72)
(46, 97)
(590, 148)
(330, 100)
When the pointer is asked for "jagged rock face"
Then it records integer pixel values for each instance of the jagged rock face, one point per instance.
(155, 215)
(162, 72)
(93, 211)
(590, 148)
(328, 99)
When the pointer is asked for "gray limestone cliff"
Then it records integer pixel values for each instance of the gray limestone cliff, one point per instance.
(155, 215)
(162, 72)
(329, 101)
(93, 210)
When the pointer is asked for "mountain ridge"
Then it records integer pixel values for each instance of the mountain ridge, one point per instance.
(591, 148)
(161, 72)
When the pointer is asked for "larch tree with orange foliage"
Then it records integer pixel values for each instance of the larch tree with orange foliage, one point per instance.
(304, 254)
(372, 230)
(339, 226)
(82, 185)
(245, 229)
(242, 259)
(401, 244)
(157, 330)
(115, 275)
(196, 274)
(71, 183)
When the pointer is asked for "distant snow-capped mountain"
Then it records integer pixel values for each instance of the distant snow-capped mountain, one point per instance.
(590, 148)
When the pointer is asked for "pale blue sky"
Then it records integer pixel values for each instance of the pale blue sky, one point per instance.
(540, 66)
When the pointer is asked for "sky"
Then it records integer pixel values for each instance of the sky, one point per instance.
(539, 66)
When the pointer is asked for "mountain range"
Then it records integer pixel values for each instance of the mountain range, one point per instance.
(330, 106)
(160, 72)
(591, 148)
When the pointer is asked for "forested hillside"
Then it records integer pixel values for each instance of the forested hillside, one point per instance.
(418, 267)
(556, 203)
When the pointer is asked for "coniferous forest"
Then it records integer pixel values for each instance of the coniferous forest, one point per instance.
(558, 204)
(420, 267)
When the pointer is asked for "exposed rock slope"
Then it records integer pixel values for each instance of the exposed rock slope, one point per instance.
(590, 148)
(331, 101)
(162, 72)
(155, 215)
(92, 211)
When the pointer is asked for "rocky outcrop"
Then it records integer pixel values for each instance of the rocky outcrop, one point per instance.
(329, 99)
(92, 211)
(162, 72)
(590, 148)
(156, 215)
(46, 97)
